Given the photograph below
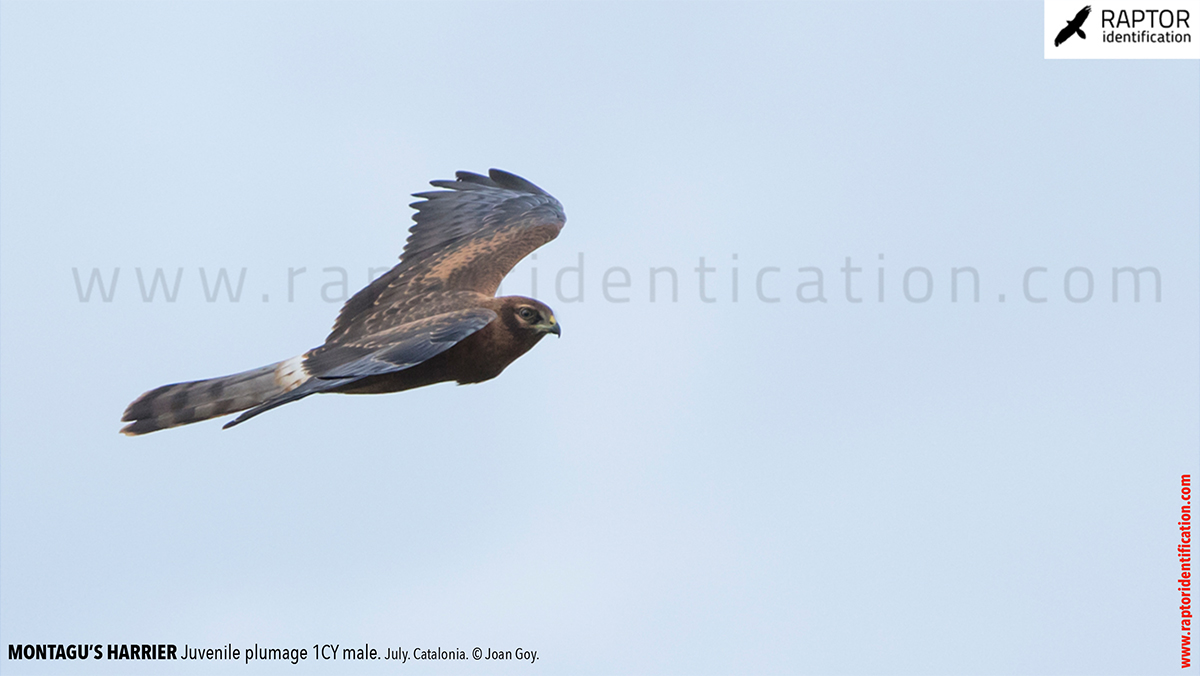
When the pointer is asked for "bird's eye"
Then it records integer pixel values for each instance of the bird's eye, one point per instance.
(526, 313)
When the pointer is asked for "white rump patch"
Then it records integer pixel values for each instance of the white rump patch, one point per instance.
(290, 373)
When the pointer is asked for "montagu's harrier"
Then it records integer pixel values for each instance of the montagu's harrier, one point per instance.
(433, 318)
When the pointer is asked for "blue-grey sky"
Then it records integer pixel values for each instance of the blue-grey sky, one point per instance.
(759, 485)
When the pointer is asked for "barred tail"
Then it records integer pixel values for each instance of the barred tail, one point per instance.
(183, 403)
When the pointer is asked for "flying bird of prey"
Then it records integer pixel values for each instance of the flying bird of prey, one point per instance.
(1074, 26)
(433, 318)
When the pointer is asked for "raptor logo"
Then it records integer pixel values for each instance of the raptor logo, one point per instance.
(1074, 26)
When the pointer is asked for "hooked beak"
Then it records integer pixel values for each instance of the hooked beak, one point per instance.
(552, 327)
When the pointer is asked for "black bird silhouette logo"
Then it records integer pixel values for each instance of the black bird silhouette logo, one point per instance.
(1074, 26)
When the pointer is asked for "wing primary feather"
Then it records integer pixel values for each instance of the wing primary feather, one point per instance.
(472, 177)
(513, 182)
(309, 387)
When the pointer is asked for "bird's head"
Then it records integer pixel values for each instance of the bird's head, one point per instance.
(526, 315)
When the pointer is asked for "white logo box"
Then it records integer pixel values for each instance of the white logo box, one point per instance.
(1129, 29)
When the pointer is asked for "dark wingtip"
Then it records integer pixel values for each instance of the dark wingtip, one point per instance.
(472, 177)
(513, 182)
(496, 178)
(140, 427)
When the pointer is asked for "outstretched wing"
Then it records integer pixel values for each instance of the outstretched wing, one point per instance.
(1081, 16)
(467, 237)
(396, 349)
(402, 347)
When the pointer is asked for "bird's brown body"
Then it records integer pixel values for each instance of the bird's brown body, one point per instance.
(433, 318)
(481, 356)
